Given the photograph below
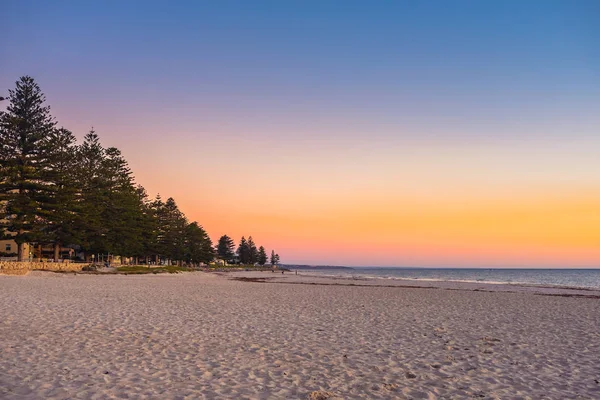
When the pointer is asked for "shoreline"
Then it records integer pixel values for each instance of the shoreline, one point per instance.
(300, 278)
(467, 281)
(290, 277)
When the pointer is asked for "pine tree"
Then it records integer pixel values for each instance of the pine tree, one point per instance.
(171, 230)
(123, 213)
(262, 256)
(111, 213)
(125, 220)
(147, 226)
(273, 258)
(198, 245)
(62, 213)
(25, 137)
(208, 252)
(159, 218)
(252, 251)
(92, 231)
(226, 249)
(243, 251)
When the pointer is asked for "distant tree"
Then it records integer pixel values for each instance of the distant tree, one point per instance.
(252, 251)
(243, 251)
(226, 249)
(274, 258)
(208, 252)
(198, 246)
(262, 256)
(26, 129)
(173, 225)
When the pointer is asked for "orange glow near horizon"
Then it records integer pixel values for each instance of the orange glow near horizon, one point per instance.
(483, 204)
(529, 232)
(499, 199)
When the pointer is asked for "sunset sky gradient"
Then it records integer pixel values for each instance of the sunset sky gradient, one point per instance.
(429, 133)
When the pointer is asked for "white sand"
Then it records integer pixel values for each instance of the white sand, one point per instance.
(200, 335)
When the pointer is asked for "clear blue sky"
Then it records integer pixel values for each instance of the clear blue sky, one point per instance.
(386, 59)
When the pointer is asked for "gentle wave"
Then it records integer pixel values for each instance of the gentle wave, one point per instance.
(564, 278)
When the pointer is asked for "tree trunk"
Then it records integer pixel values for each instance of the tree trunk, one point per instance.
(56, 252)
(20, 251)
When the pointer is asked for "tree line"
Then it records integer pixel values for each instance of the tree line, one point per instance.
(56, 192)
(246, 252)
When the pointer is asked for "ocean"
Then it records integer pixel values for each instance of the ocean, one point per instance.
(580, 278)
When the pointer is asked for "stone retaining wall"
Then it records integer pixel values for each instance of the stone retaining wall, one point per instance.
(22, 268)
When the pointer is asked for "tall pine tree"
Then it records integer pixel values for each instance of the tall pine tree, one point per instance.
(226, 249)
(62, 215)
(92, 229)
(198, 248)
(171, 225)
(123, 212)
(252, 251)
(262, 256)
(26, 129)
(243, 251)
(147, 228)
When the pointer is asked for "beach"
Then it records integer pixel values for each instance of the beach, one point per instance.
(272, 336)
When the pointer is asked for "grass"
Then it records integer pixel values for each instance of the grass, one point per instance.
(244, 267)
(140, 269)
(238, 266)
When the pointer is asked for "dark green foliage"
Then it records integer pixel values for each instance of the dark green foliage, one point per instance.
(62, 214)
(198, 246)
(243, 251)
(170, 243)
(93, 197)
(226, 249)
(26, 130)
(124, 215)
(111, 210)
(262, 256)
(148, 225)
(252, 251)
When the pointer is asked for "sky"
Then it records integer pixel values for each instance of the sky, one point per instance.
(361, 133)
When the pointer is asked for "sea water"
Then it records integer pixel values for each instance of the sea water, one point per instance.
(580, 278)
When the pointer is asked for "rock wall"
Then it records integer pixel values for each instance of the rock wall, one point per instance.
(22, 268)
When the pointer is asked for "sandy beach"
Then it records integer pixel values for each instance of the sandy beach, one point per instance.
(210, 336)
